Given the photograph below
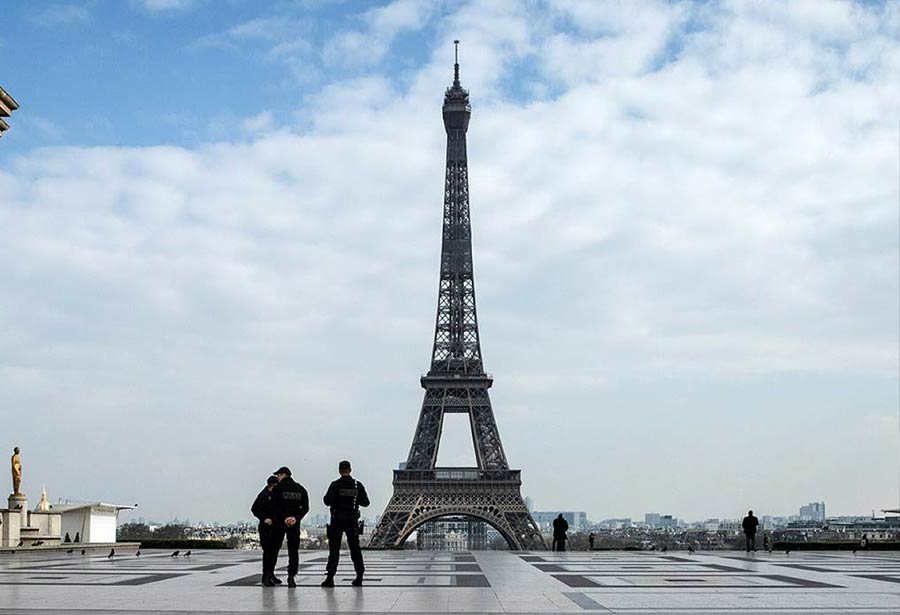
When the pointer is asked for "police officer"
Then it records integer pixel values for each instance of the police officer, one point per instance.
(264, 509)
(344, 497)
(292, 504)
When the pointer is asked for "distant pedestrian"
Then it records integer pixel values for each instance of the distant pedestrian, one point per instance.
(264, 509)
(291, 503)
(560, 527)
(750, 524)
(344, 497)
(591, 541)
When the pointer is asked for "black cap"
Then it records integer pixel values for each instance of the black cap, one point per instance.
(271, 480)
(283, 470)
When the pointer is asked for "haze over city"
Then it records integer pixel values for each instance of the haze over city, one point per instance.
(220, 229)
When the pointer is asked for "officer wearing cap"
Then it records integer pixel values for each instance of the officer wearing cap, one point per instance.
(344, 497)
(264, 509)
(291, 504)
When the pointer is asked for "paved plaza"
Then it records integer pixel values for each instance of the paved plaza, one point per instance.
(457, 582)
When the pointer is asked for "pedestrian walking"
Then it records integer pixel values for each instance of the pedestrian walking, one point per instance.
(591, 541)
(344, 497)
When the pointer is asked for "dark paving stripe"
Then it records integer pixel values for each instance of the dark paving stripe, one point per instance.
(805, 567)
(724, 568)
(549, 567)
(471, 580)
(575, 580)
(532, 558)
(799, 582)
(585, 602)
(248, 581)
(147, 579)
(211, 567)
(878, 577)
(688, 580)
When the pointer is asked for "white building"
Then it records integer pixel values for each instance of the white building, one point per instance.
(93, 522)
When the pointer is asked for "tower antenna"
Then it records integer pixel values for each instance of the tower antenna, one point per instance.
(456, 62)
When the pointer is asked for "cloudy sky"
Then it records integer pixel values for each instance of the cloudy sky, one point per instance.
(220, 222)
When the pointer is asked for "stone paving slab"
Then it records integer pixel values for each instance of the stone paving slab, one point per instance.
(443, 582)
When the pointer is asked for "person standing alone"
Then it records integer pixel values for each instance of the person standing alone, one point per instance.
(292, 504)
(264, 509)
(750, 524)
(344, 497)
(560, 527)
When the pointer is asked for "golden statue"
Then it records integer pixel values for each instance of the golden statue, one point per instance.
(16, 471)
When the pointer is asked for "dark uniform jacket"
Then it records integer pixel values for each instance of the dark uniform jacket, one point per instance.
(344, 496)
(560, 527)
(290, 499)
(749, 524)
(264, 507)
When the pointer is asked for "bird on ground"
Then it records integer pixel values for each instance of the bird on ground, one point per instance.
(787, 551)
(176, 553)
(22, 543)
(690, 549)
(112, 554)
(138, 554)
(188, 554)
(854, 551)
(70, 551)
(83, 551)
(664, 548)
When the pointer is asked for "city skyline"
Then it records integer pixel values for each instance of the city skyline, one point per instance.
(221, 224)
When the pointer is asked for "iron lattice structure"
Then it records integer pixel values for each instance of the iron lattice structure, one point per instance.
(458, 383)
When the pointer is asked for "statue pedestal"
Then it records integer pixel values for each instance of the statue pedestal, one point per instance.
(18, 501)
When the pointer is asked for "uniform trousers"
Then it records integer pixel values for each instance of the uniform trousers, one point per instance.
(336, 529)
(279, 533)
(269, 549)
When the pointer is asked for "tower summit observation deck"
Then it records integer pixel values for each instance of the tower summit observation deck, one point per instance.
(456, 382)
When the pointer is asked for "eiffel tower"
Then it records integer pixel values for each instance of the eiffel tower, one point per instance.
(458, 383)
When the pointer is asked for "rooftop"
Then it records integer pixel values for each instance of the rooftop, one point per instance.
(460, 582)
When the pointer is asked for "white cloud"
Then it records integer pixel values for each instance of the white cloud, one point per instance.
(369, 45)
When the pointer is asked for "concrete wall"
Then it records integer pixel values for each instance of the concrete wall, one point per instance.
(9, 528)
(48, 524)
(75, 522)
(103, 526)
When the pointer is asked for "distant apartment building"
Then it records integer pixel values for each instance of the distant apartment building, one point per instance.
(656, 520)
(814, 511)
(7, 106)
(730, 526)
(576, 519)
